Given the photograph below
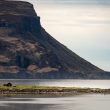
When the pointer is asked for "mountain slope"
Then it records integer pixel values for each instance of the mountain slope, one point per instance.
(28, 51)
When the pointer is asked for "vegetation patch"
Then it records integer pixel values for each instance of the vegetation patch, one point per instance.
(9, 90)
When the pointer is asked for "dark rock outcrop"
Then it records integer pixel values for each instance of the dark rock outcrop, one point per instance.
(28, 51)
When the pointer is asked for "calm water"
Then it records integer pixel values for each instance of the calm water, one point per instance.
(81, 102)
(59, 82)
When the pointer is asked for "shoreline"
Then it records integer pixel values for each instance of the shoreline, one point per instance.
(43, 90)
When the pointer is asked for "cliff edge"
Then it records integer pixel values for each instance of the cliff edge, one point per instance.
(28, 51)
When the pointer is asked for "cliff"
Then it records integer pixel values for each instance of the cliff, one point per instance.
(28, 51)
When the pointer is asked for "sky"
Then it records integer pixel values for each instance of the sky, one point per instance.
(82, 25)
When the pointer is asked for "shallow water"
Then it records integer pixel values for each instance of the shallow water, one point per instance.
(81, 102)
(59, 82)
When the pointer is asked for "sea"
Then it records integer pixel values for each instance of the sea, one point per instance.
(76, 102)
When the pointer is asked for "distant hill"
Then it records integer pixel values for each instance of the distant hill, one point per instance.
(28, 51)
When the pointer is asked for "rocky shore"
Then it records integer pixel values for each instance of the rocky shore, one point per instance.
(34, 90)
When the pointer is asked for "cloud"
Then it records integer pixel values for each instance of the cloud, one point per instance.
(85, 30)
(84, 27)
(75, 2)
(70, 2)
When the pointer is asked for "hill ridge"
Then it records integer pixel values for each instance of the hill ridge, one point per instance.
(28, 51)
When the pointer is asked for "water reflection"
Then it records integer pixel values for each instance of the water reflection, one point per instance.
(81, 102)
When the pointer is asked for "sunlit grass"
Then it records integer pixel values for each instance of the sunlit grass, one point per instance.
(13, 90)
(39, 87)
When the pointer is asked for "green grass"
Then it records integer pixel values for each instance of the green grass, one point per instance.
(37, 87)
(49, 90)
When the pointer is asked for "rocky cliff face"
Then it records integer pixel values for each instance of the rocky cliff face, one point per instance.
(28, 51)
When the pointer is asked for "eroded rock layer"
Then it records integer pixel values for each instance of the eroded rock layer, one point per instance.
(28, 51)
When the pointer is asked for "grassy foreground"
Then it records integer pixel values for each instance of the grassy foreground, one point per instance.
(35, 90)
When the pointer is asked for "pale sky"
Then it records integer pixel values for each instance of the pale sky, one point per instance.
(82, 25)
